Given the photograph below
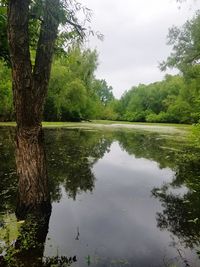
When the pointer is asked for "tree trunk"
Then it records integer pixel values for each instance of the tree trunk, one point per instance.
(29, 92)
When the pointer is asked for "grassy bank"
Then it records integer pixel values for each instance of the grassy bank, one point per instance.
(113, 124)
(179, 132)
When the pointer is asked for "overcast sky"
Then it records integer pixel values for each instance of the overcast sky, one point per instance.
(134, 38)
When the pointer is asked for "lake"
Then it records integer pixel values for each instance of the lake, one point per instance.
(121, 197)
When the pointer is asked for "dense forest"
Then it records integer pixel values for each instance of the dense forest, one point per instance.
(75, 93)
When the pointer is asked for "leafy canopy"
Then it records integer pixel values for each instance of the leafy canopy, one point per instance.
(185, 42)
(71, 29)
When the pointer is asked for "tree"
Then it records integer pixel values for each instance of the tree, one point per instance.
(30, 83)
(6, 106)
(4, 53)
(103, 91)
(74, 92)
(70, 89)
(185, 56)
(185, 45)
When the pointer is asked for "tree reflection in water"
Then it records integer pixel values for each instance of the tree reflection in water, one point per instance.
(71, 156)
(180, 200)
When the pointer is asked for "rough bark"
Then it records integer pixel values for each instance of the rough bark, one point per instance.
(29, 90)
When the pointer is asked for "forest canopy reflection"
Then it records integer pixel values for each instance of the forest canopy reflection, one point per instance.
(181, 210)
(71, 157)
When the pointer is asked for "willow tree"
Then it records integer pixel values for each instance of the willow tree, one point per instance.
(30, 83)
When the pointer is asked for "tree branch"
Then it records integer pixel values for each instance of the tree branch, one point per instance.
(44, 53)
(77, 27)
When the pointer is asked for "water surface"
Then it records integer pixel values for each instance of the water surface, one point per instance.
(119, 198)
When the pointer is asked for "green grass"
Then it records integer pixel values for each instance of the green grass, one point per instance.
(176, 131)
(104, 122)
(7, 124)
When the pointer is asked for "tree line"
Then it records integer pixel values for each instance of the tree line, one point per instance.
(75, 93)
(176, 99)
(171, 100)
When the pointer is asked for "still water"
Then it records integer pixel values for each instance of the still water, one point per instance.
(119, 198)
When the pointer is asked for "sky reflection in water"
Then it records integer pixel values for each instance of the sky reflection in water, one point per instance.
(117, 220)
(118, 198)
